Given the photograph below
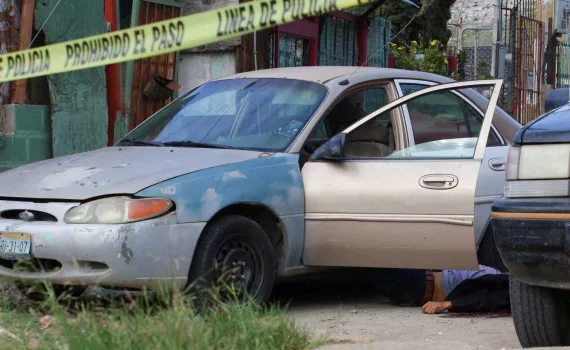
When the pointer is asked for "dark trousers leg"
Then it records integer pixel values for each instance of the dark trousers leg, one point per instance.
(403, 287)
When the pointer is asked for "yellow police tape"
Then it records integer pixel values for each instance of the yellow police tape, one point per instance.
(162, 37)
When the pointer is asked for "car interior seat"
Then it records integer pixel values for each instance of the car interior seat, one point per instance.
(368, 141)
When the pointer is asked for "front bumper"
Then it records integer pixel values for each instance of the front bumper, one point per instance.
(132, 255)
(533, 239)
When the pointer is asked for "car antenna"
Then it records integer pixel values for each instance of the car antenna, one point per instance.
(345, 81)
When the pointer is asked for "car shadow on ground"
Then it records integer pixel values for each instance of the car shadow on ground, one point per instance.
(341, 286)
(350, 287)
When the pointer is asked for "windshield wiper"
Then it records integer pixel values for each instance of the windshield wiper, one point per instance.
(143, 142)
(188, 143)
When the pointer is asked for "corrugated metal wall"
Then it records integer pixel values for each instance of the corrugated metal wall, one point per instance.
(141, 108)
(338, 42)
(378, 42)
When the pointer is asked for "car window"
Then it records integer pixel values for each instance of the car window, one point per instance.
(320, 131)
(439, 123)
(373, 139)
(255, 114)
(374, 99)
(442, 116)
(350, 109)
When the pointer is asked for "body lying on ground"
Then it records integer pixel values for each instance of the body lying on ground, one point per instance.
(483, 290)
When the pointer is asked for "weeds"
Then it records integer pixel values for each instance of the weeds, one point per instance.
(149, 320)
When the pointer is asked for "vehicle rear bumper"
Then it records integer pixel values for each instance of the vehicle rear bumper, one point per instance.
(533, 239)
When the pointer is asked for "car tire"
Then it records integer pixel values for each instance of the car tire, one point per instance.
(488, 254)
(234, 250)
(39, 292)
(541, 315)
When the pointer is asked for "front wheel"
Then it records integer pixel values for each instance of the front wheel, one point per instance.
(541, 315)
(234, 251)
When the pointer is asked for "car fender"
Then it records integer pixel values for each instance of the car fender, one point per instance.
(273, 181)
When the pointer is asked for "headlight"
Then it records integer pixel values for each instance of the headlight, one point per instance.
(117, 210)
(549, 161)
(538, 162)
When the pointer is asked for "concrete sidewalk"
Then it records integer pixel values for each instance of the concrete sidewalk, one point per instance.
(352, 315)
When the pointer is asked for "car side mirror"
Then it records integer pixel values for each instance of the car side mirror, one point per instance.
(331, 150)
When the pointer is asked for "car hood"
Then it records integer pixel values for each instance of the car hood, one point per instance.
(112, 170)
(551, 127)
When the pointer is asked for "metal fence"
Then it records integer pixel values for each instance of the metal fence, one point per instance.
(378, 42)
(477, 44)
(563, 63)
(337, 42)
(521, 48)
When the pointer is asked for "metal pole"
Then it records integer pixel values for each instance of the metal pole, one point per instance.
(475, 54)
(255, 50)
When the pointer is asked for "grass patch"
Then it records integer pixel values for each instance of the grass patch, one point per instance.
(149, 322)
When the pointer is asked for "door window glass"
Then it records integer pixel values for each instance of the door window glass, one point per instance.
(443, 115)
(356, 106)
(440, 124)
(375, 138)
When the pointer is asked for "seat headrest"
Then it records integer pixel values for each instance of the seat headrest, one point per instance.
(376, 133)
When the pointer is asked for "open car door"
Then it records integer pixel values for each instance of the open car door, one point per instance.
(411, 209)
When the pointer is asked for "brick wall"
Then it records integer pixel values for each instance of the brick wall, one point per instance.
(28, 135)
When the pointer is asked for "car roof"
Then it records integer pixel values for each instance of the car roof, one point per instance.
(323, 74)
(328, 75)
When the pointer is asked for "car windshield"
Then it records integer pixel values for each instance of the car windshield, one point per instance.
(252, 114)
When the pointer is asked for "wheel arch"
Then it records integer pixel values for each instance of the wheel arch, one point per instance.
(487, 252)
(265, 217)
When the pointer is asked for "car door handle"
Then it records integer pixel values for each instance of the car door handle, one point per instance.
(439, 181)
(497, 164)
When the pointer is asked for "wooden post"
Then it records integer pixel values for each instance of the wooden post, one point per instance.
(313, 59)
(26, 27)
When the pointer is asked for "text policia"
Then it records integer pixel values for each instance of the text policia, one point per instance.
(162, 37)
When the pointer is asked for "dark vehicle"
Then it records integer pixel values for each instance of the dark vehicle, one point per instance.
(556, 98)
(532, 229)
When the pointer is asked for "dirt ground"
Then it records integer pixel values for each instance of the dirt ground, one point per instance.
(354, 316)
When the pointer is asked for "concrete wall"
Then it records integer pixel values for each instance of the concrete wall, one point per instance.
(27, 137)
(198, 68)
(207, 62)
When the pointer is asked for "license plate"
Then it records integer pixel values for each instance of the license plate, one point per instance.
(14, 245)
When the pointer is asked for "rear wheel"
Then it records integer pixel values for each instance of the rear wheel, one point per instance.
(234, 252)
(541, 315)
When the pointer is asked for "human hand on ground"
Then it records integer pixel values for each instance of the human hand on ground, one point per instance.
(431, 307)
